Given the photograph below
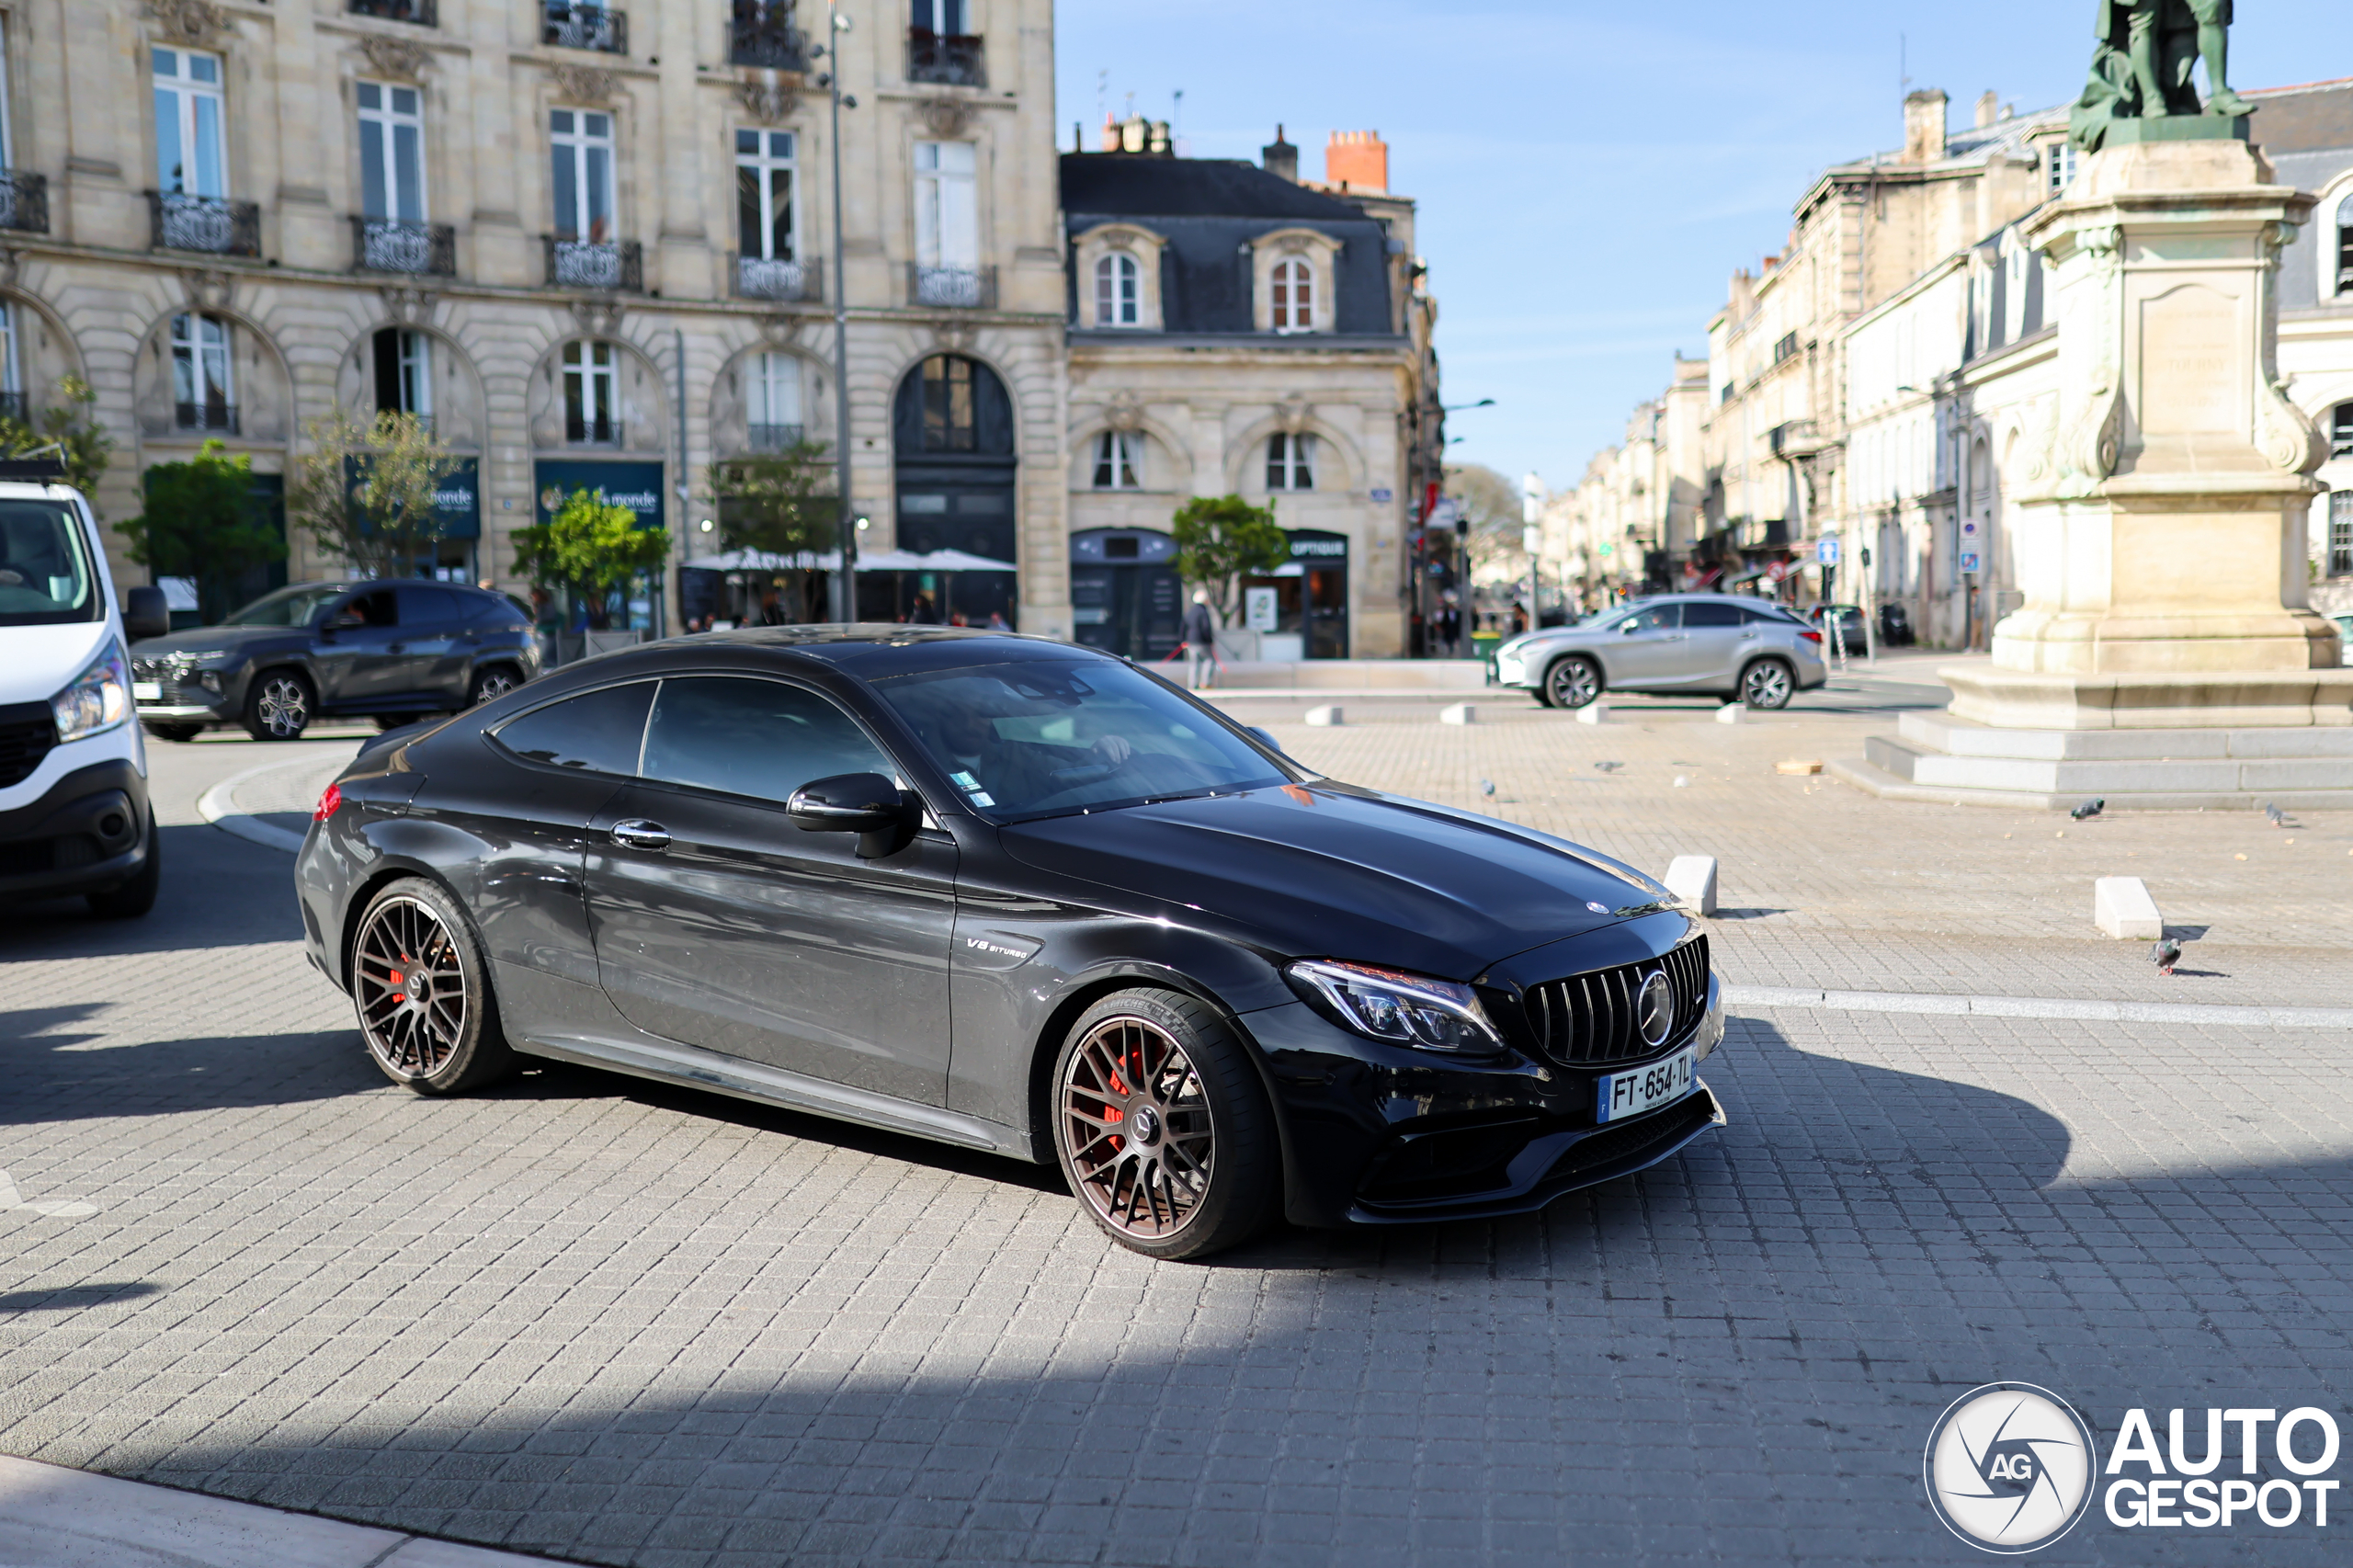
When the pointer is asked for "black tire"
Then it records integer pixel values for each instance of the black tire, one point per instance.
(491, 683)
(421, 988)
(137, 896)
(1767, 684)
(1572, 682)
(386, 722)
(279, 705)
(175, 731)
(1195, 1095)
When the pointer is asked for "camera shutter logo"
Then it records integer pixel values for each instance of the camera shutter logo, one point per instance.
(2009, 1468)
(1654, 1010)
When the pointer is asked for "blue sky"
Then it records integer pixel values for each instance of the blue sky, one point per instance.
(1589, 176)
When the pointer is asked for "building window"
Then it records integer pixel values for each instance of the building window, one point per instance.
(2345, 246)
(1118, 460)
(1294, 296)
(947, 232)
(772, 401)
(2340, 438)
(1119, 290)
(950, 423)
(404, 373)
(939, 46)
(582, 145)
(2057, 165)
(201, 393)
(945, 17)
(391, 153)
(12, 391)
(590, 410)
(1785, 347)
(764, 210)
(1290, 461)
(188, 124)
(2340, 534)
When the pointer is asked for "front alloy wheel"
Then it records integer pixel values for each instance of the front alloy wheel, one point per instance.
(279, 707)
(1766, 683)
(417, 979)
(1573, 683)
(1161, 1126)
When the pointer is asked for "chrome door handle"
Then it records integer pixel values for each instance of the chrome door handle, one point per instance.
(636, 833)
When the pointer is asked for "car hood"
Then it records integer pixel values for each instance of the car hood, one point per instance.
(1317, 871)
(40, 660)
(219, 639)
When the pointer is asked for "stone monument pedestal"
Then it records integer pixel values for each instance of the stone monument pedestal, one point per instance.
(2165, 654)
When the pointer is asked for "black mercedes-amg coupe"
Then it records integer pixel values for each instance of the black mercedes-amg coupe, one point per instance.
(1021, 896)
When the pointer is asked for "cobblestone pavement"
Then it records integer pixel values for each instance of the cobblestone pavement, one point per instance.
(622, 1324)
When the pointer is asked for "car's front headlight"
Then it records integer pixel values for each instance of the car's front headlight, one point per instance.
(1393, 1005)
(97, 700)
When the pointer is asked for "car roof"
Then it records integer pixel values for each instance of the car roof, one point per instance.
(869, 651)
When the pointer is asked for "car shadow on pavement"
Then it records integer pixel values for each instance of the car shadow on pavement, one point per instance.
(216, 891)
(160, 1077)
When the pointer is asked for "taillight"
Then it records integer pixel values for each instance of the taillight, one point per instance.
(1811, 636)
(328, 803)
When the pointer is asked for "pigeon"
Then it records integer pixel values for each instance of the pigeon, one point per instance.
(2168, 954)
(1608, 767)
(1486, 786)
(2278, 818)
(2088, 809)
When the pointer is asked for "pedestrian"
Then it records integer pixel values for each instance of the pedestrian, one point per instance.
(925, 613)
(997, 621)
(1199, 635)
(1450, 626)
(771, 608)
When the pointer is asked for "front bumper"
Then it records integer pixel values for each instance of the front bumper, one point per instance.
(1384, 1135)
(88, 833)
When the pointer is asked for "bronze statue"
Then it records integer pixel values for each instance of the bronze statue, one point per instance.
(2143, 62)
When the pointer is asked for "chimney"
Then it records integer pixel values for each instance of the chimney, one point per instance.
(1357, 160)
(1280, 157)
(1989, 109)
(1110, 132)
(1924, 126)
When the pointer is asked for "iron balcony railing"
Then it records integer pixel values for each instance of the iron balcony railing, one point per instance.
(615, 268)
(219, 416)
(761, 34)
(772, 437)
(424, 13)
(206, 223)
(957, 287)
(767, 278)
(601, 431)
(956, 59)
(395, 245)
(24, 202)
(587, 27)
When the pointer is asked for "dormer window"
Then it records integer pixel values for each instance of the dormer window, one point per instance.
(1119, 290)
(1294, 296)
(1293, 281)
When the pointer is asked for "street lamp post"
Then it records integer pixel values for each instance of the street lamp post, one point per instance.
(847, 587)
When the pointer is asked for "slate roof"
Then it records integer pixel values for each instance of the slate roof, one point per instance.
(1145, 185)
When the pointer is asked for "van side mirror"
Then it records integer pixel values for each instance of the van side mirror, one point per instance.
(145, 614)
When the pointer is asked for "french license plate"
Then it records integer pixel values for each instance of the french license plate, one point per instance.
(147, 691)
(1622, 1094)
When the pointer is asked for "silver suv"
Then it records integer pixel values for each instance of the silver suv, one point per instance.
(1718, 644)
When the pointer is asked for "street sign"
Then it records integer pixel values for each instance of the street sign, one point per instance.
(1531, 541)
(1381, 498)
(1826, 549)
(1969, 561)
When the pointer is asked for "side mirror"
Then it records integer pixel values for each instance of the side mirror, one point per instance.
(145, 615)
(1266, 738)
(865, 803)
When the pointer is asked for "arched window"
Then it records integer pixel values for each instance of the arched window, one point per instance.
(772, 402)
(591, 410)
(1294, 296)
(1290, 461)
(2345, 246)
(201, 392)
(1119, 290)
(950, 404)
(1119, 461)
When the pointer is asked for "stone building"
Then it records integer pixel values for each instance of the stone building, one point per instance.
(591, 243)
(1234, 330)
(1637, 512)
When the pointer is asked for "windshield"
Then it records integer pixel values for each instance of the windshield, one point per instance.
(1032, 740)
(288, 607)
(45, 574)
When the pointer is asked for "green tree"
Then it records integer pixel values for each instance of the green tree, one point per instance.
(204, 520)
(588, 549)
(70, 430)
(781, 504)
(1491, 504)
(1220, 538)
(366, 491)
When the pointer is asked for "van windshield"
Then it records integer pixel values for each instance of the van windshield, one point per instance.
(46, 578)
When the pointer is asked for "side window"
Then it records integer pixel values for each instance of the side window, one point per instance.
(423, 606)
(1658, 618)
(375, 607)
(1711, 615)
(760, 738)
(597, 732)
(1763, 617)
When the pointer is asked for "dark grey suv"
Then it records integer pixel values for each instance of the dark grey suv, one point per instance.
(388, 651)
(1722, 644)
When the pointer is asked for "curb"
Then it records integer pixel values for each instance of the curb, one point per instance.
(218, 807)
(2042, 1007)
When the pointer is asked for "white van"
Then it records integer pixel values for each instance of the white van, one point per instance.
(74, 811)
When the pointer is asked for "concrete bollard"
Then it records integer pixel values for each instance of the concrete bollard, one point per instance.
(1594, 712)
(1328, 717)
(2121, 908)
(1692, 879)
(1730, 713)
(1458, 713)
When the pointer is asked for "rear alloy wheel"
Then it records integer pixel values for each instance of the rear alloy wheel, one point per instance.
(1766, 683)
(1162, 1128)
(419, 982)
(491, 685)
(279, 707)
(1574, 682)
